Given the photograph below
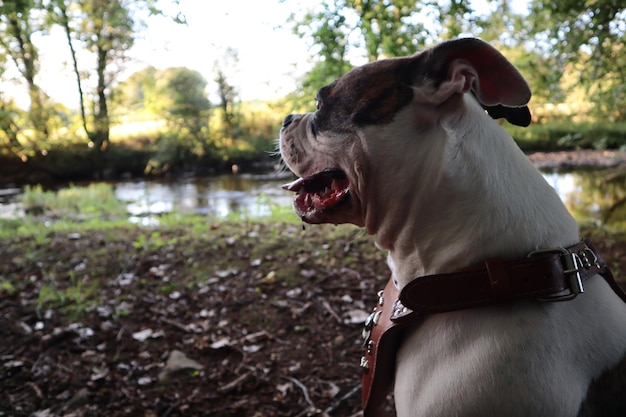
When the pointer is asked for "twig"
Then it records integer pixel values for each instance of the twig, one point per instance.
(347, 395)
(304, 390)
(331, 311)
(35, 388)
(175, 324)
(234, 384)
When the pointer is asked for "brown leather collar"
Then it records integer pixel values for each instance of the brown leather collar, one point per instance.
(555, 274)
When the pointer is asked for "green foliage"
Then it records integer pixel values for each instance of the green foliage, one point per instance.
(136, 93)
(19, 23)
(590, 36)
(94, 201)
(179, 93)
(105, 29)
(73, 298)
(152, 243)
(176, 96)
(337, 28)
(565, 135)
(382, 28)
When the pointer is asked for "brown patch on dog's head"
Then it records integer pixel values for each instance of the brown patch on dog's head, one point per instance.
(369, 95)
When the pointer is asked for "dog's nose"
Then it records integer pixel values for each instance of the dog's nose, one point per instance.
(287, 120)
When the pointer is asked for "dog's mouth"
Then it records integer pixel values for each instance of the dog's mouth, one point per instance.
(319, 192)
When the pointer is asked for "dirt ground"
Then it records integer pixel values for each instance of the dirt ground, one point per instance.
(217, 329)
(253, 330)
(231, 320)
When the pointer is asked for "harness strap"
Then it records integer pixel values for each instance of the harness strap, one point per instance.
(555, 274)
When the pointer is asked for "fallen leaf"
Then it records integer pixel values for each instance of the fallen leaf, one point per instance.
(223, 342)
(284, 388)
(356, 316)
(270, 278)
(252, 348)
(142, 335)
(144, 380)
(176, 362)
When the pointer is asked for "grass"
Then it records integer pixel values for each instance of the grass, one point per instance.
(74, 298)
(78, 209)
(96, 200)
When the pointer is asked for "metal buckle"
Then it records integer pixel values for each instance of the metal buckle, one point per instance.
(571, 270)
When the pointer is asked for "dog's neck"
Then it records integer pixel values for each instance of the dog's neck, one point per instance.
(459, 215)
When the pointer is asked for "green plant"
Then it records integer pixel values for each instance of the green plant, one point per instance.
(154, 242)
(6, 287)
(73, 300)
(93, 201)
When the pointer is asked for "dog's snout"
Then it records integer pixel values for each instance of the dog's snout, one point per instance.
(287, 120)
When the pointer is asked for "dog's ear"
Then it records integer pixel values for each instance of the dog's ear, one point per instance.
(470, 64)
(519, 116)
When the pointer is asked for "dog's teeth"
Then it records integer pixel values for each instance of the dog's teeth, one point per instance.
(317, 202)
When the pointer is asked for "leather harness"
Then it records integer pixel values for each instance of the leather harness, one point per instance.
(555, 274)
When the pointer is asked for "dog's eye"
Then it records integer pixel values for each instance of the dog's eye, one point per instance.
(318, 103)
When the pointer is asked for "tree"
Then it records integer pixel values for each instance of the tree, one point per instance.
(19, 20)
(136, 93)
(342, 30)
(380, 28)
(329, 43)
(591, 34)
(9, 128)
(230, 117)
(106, 29)
(179, 97)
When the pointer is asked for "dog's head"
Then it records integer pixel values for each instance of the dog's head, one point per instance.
(383, 125)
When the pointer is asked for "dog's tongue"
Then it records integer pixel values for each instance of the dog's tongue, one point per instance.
(319, 192)
(295, 185)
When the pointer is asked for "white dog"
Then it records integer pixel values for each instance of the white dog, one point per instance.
(406, 148)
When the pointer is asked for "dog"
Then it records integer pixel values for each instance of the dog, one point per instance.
(407, 149)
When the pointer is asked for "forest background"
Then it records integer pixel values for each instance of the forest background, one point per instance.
(173, 120)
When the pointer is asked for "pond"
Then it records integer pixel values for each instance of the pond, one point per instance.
(585, 193)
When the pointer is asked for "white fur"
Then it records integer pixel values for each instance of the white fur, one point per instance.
(527, 359)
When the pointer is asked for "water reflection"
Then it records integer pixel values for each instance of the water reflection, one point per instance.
(248, 195)
(591, 196)
(587, 194)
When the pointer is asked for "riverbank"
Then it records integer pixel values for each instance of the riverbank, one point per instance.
(14, 173)
(584, 158)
